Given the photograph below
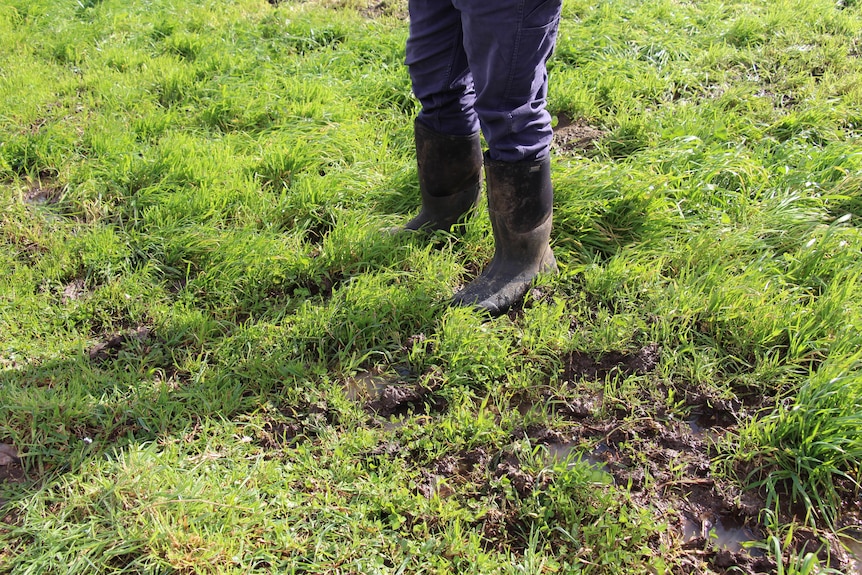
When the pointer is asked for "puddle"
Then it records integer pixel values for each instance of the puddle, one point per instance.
(388, 394)
(852, 540)
(708, 425)
(573, 453)
(367, 385)
(722, 532)
(700, 427)
(370, 384)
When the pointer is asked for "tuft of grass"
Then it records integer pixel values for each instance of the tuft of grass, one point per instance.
(810, 443)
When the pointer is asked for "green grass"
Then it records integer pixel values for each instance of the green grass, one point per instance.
(193, 273)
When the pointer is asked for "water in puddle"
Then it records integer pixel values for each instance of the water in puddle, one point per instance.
(367, 385)
(723, 532)
(852, 539)
(574, 453)
(704, 426)
(696, 424)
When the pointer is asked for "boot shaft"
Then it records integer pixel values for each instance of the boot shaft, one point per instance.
(520, 194)
(450, 178)
(447, 164)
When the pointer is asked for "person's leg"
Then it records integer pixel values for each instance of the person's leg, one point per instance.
(438, 68)
(448, 149)
(507, 45)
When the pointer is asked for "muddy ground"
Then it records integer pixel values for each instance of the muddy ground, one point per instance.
(665, 461)
(10, 466)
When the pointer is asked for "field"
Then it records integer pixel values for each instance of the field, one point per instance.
(215, 359)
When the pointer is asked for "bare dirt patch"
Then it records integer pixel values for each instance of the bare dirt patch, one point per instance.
(388, 394)
(575, 136)
(395, 8)
(293, 425)
(73, 291)
(579, 365)
(111, 346)
(11, 470)
(10, 464)
(41, 192)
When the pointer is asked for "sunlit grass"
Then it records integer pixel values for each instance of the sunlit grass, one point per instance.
(193, 269)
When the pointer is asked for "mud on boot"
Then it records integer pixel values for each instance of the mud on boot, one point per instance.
(520, 205)
(450, 178)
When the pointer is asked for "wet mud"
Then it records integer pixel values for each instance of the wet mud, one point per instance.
(10, 463)
(666, 466)
(851, 538)
(41, 193)
(73, 291)
(579, 365)
(389, 394)
(290, 426)
(663, 460)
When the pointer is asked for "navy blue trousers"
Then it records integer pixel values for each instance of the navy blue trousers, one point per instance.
(481, 64)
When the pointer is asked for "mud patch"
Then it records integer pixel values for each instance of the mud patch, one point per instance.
(367, 385)
(579, 365)
(10, 462)
(323, 286)
(510, 469)
(709, 423)
(10, 465)
(317, 230)
(575, 136)
(434, 485)
(73, 291)
(43, 192)
(664, 462)
(852, 541)
(579, 404)
(724, 532)
(110, 348)
(388, 394)
(385, 8)
(277, 434)
(847, 549)
(571, 453)
(291, 426)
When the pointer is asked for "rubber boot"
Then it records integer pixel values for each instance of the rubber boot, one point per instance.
(520, 205)
(450, 178)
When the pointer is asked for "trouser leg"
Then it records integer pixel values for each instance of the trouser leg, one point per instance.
(438, 68)
(480, 63)
(508, 43)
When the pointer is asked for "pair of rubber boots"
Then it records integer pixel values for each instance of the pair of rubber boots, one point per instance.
(520, 200)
